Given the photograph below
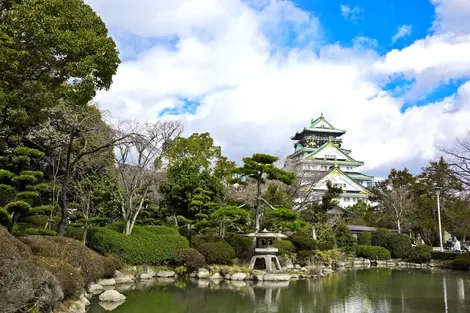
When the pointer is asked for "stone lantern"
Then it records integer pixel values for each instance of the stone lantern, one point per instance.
(265, 249)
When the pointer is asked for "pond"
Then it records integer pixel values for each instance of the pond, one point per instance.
(358, 291)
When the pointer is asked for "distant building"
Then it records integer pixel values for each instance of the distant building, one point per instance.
(319, 157)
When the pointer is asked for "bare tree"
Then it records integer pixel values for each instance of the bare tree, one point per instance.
(303, 191)
(138, 164)
(458, 158)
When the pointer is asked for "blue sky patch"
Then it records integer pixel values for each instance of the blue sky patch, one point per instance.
(186, 106)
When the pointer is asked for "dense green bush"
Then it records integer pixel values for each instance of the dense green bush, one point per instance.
(189, 257)
(344, 239)
(420, 254)
(284, 246)
(198, 240)
(364, 239)
(92, 265)
(303, 242)
(380, 237)
(461, 262)
(241, 244)
(306, 257)
(218, 252)
(444, 256)
(373, 252)
(325, 246)
(161, 230)
(141, 247)
(399, 245)
(39, 232)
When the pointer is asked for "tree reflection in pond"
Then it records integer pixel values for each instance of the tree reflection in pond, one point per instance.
(361, 291)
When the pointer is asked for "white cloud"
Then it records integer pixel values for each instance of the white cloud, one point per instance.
(255, 92)
(452, 16)
(352, 14)
(402, 31)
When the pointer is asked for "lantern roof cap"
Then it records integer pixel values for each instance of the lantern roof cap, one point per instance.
(266, 234)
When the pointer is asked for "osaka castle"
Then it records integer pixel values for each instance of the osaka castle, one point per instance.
(319, 157)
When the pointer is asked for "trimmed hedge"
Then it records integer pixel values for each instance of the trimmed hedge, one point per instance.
(399, 245)
(5, 218)
(444, 256)
(161, 230)
(241, 244)
(218, 252)
(92, 265)
(303, 242)
(380, 237)
(420, 254)
(140, 247)
(364, 239)
(189, 257)
(198, 240)
(373, 252)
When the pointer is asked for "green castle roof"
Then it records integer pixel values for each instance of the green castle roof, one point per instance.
(314, 128)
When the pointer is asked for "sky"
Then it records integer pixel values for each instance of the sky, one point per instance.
(395, 74)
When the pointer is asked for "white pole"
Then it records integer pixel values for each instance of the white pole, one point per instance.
(439, 218)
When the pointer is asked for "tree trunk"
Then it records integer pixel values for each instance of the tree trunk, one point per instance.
(398, 226)
(314, 233)
(65, 184)
(258, 195)
(85, 226)
(13, 222)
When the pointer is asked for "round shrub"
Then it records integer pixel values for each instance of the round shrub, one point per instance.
(420, 254)
(284, 246)
(5, 218)
(344, 239)
(324, 246)
(161, 230)
(380, 237)
(69, 278)
(140, 247)
(217, 252)
(39, 232)
(364, 239)
(241, 244)
(303, 242)
(399, 245)
(189, 257)
(198, 240)
(373, 252)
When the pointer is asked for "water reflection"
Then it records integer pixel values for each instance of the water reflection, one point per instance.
(362, 291)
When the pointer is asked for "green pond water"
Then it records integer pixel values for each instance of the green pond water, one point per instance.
(359, 291)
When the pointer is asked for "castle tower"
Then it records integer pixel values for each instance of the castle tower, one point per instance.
(319, 157)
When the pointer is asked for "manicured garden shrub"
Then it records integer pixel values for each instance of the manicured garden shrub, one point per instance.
(303, 242)
(420, 254)
(461, 262)
(284, 246)
(198, 240)
(380, 237)
(92, 265)
(69, 277)
(217, 252)
(306, 257)
(241, 244)
(189, 257)
(39, 232)
(364, 239)
(74, 232)
(344, 239)
(373, 252)
(161, 230)
(444, 256)
(324, 246)
(140, 247)
(399, 245)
